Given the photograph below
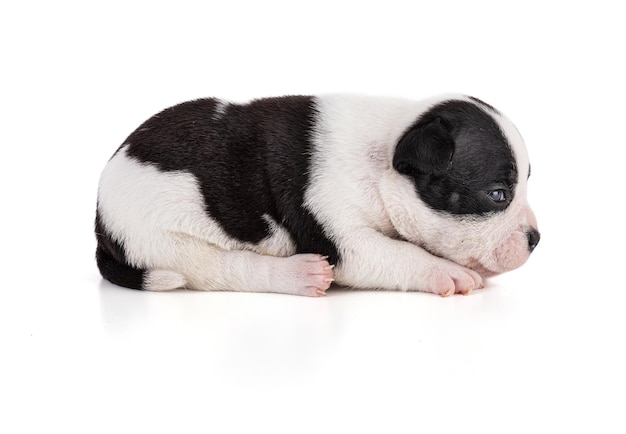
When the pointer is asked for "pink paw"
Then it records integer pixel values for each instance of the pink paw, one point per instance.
(450, 278)
(308, 274)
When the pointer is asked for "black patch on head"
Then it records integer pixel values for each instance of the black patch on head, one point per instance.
(479, 159)
(249, 159)
(112, 262)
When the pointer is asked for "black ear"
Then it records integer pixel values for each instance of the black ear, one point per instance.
(426, 147)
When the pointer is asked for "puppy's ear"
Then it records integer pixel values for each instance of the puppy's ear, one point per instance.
(425, 148)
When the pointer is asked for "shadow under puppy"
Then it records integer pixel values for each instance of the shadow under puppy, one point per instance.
(289, 194)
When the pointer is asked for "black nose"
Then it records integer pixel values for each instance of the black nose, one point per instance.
(533, 238)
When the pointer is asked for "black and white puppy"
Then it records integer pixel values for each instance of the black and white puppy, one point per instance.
(289, 194)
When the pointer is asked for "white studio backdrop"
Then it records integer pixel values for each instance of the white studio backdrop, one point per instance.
(542, 348)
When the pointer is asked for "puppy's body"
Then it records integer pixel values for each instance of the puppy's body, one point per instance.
(265, 196)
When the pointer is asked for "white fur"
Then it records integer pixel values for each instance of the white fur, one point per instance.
(279, 243)
(163, 280)
(220, 109)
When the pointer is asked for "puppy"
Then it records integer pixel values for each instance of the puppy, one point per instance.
(289, 194)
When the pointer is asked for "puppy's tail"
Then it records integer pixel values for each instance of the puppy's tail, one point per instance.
(122, 274)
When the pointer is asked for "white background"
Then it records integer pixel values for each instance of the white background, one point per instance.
(539, 350)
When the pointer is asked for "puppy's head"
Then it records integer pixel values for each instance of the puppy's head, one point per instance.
(468, 166)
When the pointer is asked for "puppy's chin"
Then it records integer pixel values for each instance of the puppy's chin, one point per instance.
(512, 253)
(487, 270)
(478, 267)
(471, 263)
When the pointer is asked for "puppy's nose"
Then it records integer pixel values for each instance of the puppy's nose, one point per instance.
(533, 238)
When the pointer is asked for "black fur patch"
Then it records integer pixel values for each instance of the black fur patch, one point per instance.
(250, 160)
(112, 262)
(482, 160)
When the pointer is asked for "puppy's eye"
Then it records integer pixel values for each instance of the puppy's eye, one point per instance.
(497, 195)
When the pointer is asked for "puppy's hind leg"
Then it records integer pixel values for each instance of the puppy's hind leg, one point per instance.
(209, 268)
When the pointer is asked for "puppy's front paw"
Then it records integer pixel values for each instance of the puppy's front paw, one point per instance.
(446, 278)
